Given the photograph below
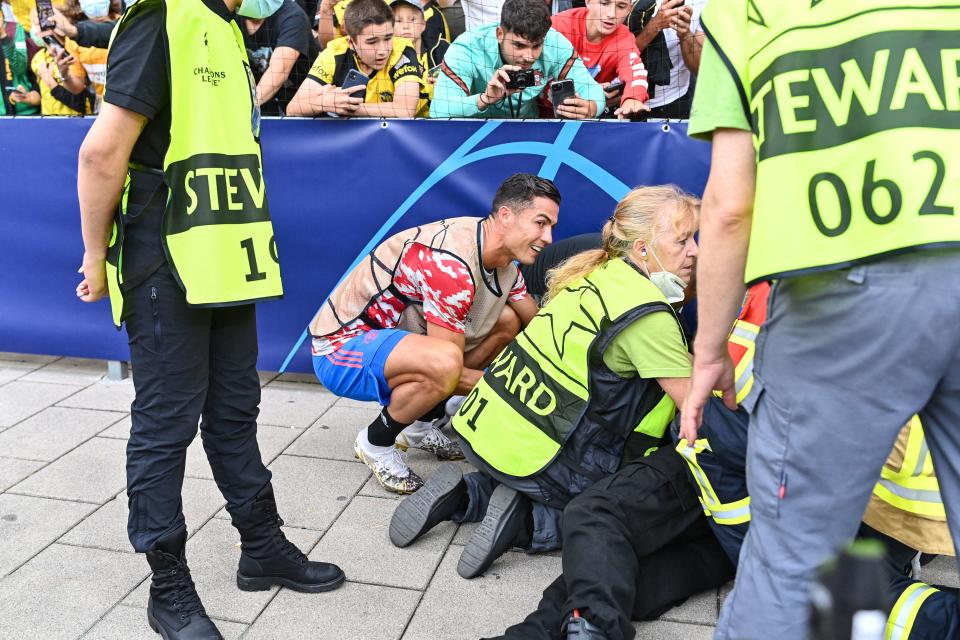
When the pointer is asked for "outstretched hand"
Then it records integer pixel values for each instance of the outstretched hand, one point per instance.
(709, 373)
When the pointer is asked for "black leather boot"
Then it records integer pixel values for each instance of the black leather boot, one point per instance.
(502, 527)
(174, 609)
(267, 558)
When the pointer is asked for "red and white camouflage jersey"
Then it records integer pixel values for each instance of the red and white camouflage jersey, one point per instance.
(428, 274)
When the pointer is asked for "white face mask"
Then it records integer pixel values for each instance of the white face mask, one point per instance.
(671, 285)
(95, 8)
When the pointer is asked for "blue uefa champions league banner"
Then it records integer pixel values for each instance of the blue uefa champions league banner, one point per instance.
(336, 189)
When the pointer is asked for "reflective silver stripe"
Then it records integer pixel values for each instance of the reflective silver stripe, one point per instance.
(898, 630)
(701, 480)
(744, 376)
(921, 458)
(916, 495)
(742, 332)
(732, 513)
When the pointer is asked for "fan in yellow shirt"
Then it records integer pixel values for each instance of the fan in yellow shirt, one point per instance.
(395, 87)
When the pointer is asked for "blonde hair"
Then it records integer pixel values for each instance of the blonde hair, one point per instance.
(639, 216)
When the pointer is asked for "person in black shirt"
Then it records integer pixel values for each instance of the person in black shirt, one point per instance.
(281, 49)
(535, 275)
(190, 364)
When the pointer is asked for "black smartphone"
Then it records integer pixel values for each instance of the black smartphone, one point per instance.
(45, 14)
(354, 79)
(560, 90)
(521, 78)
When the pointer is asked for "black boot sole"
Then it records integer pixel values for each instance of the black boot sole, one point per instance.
(158, 629)
(262, 583)
(436, 501)
(505, 518)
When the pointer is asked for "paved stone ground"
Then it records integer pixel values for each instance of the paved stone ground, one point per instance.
(67, 570)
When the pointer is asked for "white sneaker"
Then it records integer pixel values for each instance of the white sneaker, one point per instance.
(388, 466)
(427, 437)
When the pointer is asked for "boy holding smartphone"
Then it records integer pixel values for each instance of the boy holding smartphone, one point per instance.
(609, 52)
(394, 76)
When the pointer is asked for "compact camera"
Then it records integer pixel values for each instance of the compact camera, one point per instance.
(521, 79)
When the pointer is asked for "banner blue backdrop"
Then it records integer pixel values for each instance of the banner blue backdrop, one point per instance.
(336, 188)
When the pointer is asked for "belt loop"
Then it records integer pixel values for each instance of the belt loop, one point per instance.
(857, 275)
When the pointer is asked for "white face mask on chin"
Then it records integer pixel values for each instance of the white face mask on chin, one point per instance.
(670, 285)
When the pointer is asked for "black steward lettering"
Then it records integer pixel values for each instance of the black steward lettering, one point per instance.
(846, 211)
(930, 206)
(255, 273)
(870, 187)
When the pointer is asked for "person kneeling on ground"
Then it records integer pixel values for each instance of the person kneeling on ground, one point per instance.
(596, 375)
(422, 316)
(394, 78)
(669, 526)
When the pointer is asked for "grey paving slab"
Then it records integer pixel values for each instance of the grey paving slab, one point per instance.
(352, 612)
(293, 405)
(454, 608)
(333, 435)
(65, 590)
(54, 431)
(356, 404)
(19, 399)
(119, 430)
(723, 592)
(359, 544)
(130, 623)
(13, 471)
(272, 441)
(266, 376)
(38, 359)
(213, 553)
(28, 524)
(699, 609)
(664, 630)
(13, 370)
(464, 532)
(106, 395)
(302, 378)
(311, 492)
(79, 371)
(943, 570)
(93, 472)
(107, 527)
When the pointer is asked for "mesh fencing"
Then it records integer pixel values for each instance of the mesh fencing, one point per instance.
(609, 59)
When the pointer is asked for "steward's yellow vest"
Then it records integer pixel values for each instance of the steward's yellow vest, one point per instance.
(912, 485)
(549, 388)
(855, 108)
(217, 233)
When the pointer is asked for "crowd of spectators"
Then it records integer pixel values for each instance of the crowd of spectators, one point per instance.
(626, 59)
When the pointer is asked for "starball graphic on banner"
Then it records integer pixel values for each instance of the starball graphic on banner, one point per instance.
(335, 190)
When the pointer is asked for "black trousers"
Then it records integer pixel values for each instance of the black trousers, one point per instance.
(190, 365)
(635, 545)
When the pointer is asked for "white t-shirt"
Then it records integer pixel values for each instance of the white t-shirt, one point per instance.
(679, 74)
(477, 13)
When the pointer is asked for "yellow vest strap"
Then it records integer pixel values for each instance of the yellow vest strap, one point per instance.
(905, 611)
(724, 513)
